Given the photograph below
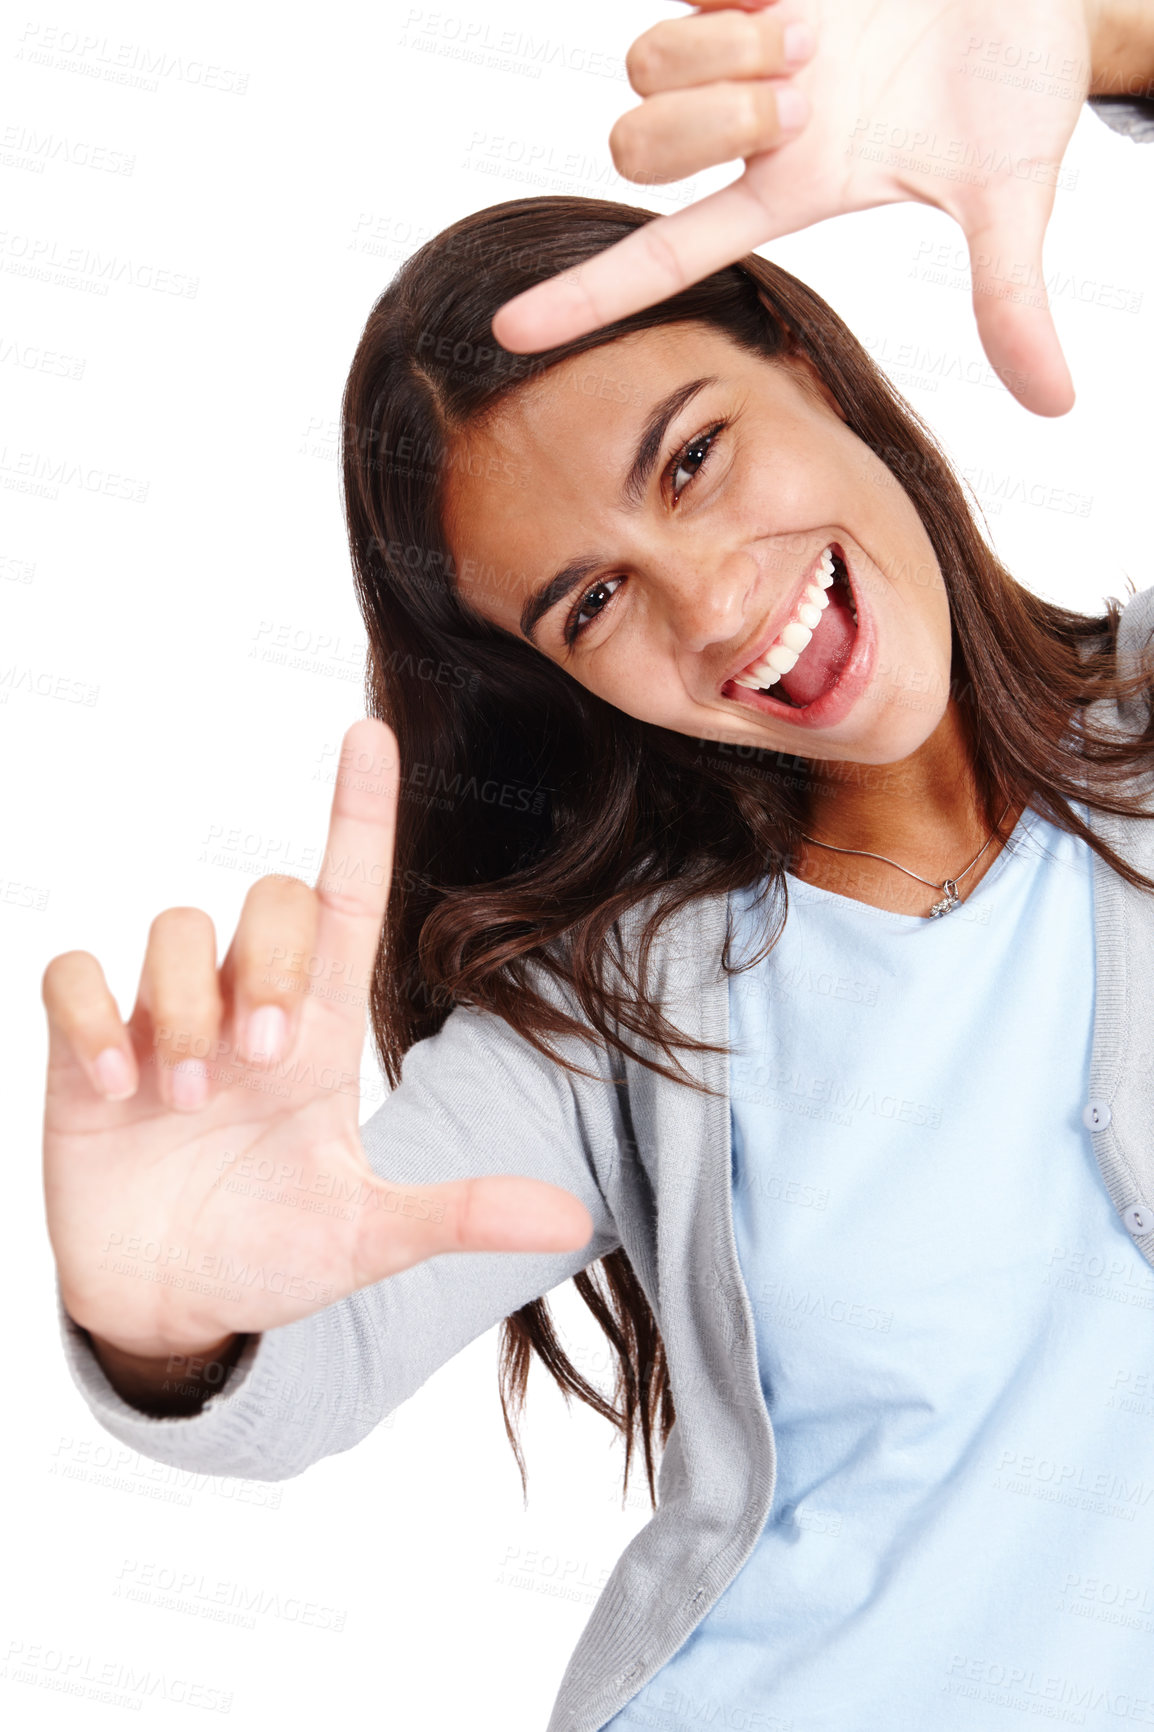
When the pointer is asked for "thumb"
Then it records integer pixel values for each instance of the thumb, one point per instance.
(1012, 307)
(404, 1224)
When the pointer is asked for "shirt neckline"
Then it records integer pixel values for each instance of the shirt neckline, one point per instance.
(1023, 829)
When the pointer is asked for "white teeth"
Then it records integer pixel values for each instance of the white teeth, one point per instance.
(798, 633)
(781, 659)
(762, 676)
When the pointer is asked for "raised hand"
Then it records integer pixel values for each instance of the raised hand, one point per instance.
(203, 1169)
(967, 105)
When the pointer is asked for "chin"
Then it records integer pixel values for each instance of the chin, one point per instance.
(887, 722)
(891, 741)
(884, 725)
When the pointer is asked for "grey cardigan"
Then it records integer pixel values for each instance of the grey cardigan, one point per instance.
(651, 1162)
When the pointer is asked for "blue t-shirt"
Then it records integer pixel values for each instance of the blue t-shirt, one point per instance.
(955, 1333)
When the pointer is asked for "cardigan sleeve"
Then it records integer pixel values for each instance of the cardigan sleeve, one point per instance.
(1131, 115)
(473, 1099)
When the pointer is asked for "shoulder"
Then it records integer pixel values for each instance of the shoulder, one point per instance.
(685, 939)
(1135, 629)
(661, 974)
(1133, 653)
(1132, 639)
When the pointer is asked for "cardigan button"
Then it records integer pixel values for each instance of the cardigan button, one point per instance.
(1096, 1115)
(1139, 1220)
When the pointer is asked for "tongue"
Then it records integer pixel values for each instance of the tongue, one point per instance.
(825, 656)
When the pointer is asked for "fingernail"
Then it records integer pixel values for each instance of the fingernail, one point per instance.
(114, 1074)
(792, 109)
(265, 1033)
(189, 1084)
(798, 42)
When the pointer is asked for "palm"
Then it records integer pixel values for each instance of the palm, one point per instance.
(919, 121)
(173, 1228)
(200, 1226)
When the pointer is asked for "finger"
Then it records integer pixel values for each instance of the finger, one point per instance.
(85, 1025)
(403, 1224)
(269, 965)
(680, 52)
(729, 5)
(352, 889)
(180, 994)
(1012, 307)
(682, 131)
(656, 261)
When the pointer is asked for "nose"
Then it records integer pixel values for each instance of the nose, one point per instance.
(705, 596)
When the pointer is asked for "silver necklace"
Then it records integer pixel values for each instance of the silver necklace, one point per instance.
(948, 886)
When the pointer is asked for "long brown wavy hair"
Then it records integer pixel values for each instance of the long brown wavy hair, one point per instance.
(532, 813)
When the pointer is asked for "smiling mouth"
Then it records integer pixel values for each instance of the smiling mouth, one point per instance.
(810, 653)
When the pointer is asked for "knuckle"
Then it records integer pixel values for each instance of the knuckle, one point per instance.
(192, 1008)
(182, 924)
(752, 118)
(279, 918)
(627, 145)
(67, 974)
(737, 44)
(645, 62)
(66, 966)
(272, 972)
(344, 902)
(180, 1037)
(460, 1213)
(276, 984)
(758, 42)
(280, 890)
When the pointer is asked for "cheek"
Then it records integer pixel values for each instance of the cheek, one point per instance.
(912, 678)
(919, 608)
(634, 673)
(794, 488)
(789, 487)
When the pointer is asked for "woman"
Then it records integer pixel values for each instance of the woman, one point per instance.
(770, 878)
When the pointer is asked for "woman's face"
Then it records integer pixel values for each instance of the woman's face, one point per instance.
(694, 534)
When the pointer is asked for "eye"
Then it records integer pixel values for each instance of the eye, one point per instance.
(689, 460)
(593, 602)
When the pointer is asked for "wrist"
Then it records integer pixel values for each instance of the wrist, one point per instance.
(1121, 34)
(169, 1384)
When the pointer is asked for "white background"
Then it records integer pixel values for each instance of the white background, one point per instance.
(235, 184)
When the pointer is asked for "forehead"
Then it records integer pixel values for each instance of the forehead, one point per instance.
(537, 481)
(606, 386)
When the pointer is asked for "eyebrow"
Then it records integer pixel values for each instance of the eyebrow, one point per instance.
(653, 437)
(544, 599)
(550, 594)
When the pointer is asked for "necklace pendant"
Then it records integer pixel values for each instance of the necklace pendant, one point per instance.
(948, 901)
